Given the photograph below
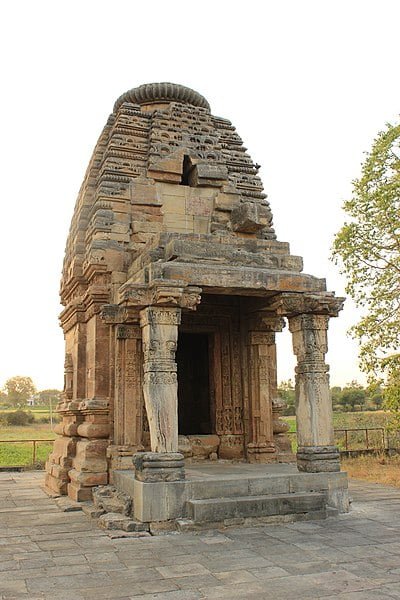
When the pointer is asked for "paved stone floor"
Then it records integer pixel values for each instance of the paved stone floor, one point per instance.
(46, 553)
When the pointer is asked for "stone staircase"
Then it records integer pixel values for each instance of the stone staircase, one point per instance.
(312, 504)
(234, 494)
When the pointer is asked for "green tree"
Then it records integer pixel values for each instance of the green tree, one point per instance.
(45, 397)
(353, 397)
(336, 393)
(287, 393)
(18, 390)
(367, 248)
(374, 397)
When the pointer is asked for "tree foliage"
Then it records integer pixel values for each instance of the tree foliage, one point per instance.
(287, 393)
(367, 248)
(45, 397)
(351, 398)
(18, 389)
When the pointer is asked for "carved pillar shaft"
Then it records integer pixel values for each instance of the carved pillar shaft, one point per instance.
(316, 450)
(260, 354)
(160, 386)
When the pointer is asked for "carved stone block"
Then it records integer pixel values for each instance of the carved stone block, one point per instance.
(152, 467)
(318, 459)
(250, 217)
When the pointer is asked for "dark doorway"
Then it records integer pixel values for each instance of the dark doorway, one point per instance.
(187, 172)
(194, 414)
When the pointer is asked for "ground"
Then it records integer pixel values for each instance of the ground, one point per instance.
(49, 554)
(379, 469)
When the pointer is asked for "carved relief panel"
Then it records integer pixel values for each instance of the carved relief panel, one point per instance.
(128, 402)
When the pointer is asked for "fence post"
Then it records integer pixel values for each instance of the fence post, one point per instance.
(366, 439)
(346, 445)
(34, 452)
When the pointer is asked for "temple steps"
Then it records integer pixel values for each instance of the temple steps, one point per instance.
(270, 505)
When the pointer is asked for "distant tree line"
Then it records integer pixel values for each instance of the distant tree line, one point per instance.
(351, 398)
(18, 391)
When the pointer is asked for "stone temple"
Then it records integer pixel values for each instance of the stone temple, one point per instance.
(174, 287)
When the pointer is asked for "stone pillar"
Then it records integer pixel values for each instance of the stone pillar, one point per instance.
(316, 450)
(160, 385)
(262, 387)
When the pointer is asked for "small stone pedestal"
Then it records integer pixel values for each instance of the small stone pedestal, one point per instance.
(159, 487)
(318, 459)
(153, 467)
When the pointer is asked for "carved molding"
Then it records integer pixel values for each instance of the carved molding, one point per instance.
(160, 316)
(161, 294)
(292, 304)
(260, 338)
(307, 322)
(124, 332)
(162, 92)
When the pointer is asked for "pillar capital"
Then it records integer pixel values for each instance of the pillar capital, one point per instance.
(308, 321)
(291, 304)
(263, 326)
(160, 315)
(161, 293)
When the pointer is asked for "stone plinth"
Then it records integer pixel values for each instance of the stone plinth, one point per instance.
(219, 483)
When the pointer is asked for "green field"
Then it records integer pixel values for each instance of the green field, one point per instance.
(351, 420)
(21, 454)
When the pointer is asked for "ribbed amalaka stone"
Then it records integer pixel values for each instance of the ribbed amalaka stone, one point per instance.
(173, 287)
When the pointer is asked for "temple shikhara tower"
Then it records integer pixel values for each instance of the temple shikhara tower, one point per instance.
(174, 286)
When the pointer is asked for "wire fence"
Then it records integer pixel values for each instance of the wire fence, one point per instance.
(34, 452)
(24, 453)
(360, 440)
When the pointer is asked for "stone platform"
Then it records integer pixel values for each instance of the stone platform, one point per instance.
(222, 491)
(48, 554)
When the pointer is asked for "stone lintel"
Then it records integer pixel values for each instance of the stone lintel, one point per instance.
(236, 280)
(231, 254)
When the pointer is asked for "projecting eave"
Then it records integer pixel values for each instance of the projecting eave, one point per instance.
(224, 279)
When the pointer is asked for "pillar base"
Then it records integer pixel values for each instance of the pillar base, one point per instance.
(260, 452)
(318, 459)
(152, 467)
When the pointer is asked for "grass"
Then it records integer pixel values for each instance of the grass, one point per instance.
(38, 411)
(13, 455)
(354, 420)
(356, 440)
(377, 469)
(21, 455)
(39, 431)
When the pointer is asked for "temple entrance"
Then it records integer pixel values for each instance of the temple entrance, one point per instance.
(194, 409)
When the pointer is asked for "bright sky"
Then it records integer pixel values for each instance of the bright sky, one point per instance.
(307, 83)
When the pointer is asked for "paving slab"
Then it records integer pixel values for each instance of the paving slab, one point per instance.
(49, 554)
